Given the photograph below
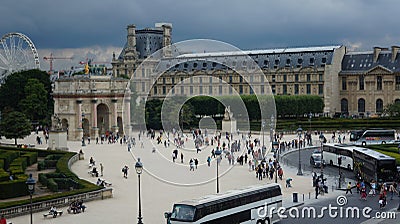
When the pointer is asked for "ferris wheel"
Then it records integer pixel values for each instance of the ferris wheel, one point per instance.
(17, 53)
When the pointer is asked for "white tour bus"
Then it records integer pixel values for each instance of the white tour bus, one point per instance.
(247, 205)
(332, 153)
(369, 137)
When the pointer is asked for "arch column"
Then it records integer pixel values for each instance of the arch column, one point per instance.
(115, 116)
(126, 120)
(79, 131)
(95, 129)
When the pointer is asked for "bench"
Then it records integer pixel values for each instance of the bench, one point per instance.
(53, 214)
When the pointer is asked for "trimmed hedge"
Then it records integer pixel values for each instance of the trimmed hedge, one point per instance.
(4, 176)
(8, 157)
(31, 157)
(15, 188)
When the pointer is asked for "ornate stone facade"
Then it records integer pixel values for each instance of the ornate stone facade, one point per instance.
(91, 106)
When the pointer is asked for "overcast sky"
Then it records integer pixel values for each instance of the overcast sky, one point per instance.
(96, 28)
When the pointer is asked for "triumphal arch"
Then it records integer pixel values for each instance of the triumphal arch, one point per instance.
(91, 106)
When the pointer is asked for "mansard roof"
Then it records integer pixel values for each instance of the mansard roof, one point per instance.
(363, 62)
(265, 59)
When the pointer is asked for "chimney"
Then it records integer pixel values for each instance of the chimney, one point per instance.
(131, 36)
(395, 49)
(377, 51)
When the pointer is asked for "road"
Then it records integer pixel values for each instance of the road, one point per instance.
(353, 200)
(292, 159)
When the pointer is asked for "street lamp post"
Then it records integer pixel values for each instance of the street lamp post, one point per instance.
(139, 170)
(321, 139)
(263, 127)
(275, 146)
(218, 152)
(309, 118)
(83, 130)
(30, 182)
(299, 132)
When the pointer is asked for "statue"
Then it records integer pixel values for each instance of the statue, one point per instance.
(56, 122)
(228, 114)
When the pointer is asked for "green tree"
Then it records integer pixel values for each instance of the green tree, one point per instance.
(393, 110)
(34, 106)
(15, 125)
(12, 91)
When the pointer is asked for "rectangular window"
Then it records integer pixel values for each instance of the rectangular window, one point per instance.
(344, 83)
(173, 80)
(361, 82)
(164, 90)
(284, 78)
(262, 89)
(296, 77)
(143, 73)
(251, 79)
(211, 79)
(251, 90)
(308, 77)
(210, 89)
(273, 89)
(241, 79)
(143, 86)
(240, 89)
(296, 89)
(379, 83)
(200, 89)
(397, 82)
(163, 81)
(220, 90)
(182, 90)
(155, 90)
(173, 90)
(262, 78)
(273, 78)
(230, 79)
(320, 89)
(230, 89)
(200, 80)
(191, 90)
(308, 88)
(220, 79)
(182, 79)
(191, 80)
(284, 89)
(321, 77)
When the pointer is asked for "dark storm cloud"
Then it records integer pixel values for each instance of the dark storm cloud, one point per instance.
(247, 24)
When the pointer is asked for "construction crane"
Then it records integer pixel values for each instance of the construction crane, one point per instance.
(51, 59)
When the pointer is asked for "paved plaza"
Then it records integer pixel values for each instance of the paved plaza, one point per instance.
(162, 184)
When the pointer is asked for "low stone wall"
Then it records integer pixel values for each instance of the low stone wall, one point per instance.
(59, 202)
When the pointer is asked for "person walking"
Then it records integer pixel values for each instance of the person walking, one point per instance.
(348, 189)
(392, 190)
(101, 169)
(196, 162)
(191, 164)
(208, 161)
(181, 157)
(3, 220)
(125, 171)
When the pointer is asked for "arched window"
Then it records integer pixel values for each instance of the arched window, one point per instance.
(361, 105)
(344, 105)
(379, 106)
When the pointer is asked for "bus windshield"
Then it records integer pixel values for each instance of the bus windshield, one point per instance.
(387, 170)
(183, 213)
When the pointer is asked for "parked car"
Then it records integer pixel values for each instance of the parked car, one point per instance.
(315, 159)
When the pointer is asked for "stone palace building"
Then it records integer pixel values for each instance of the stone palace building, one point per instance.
(350, 83)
